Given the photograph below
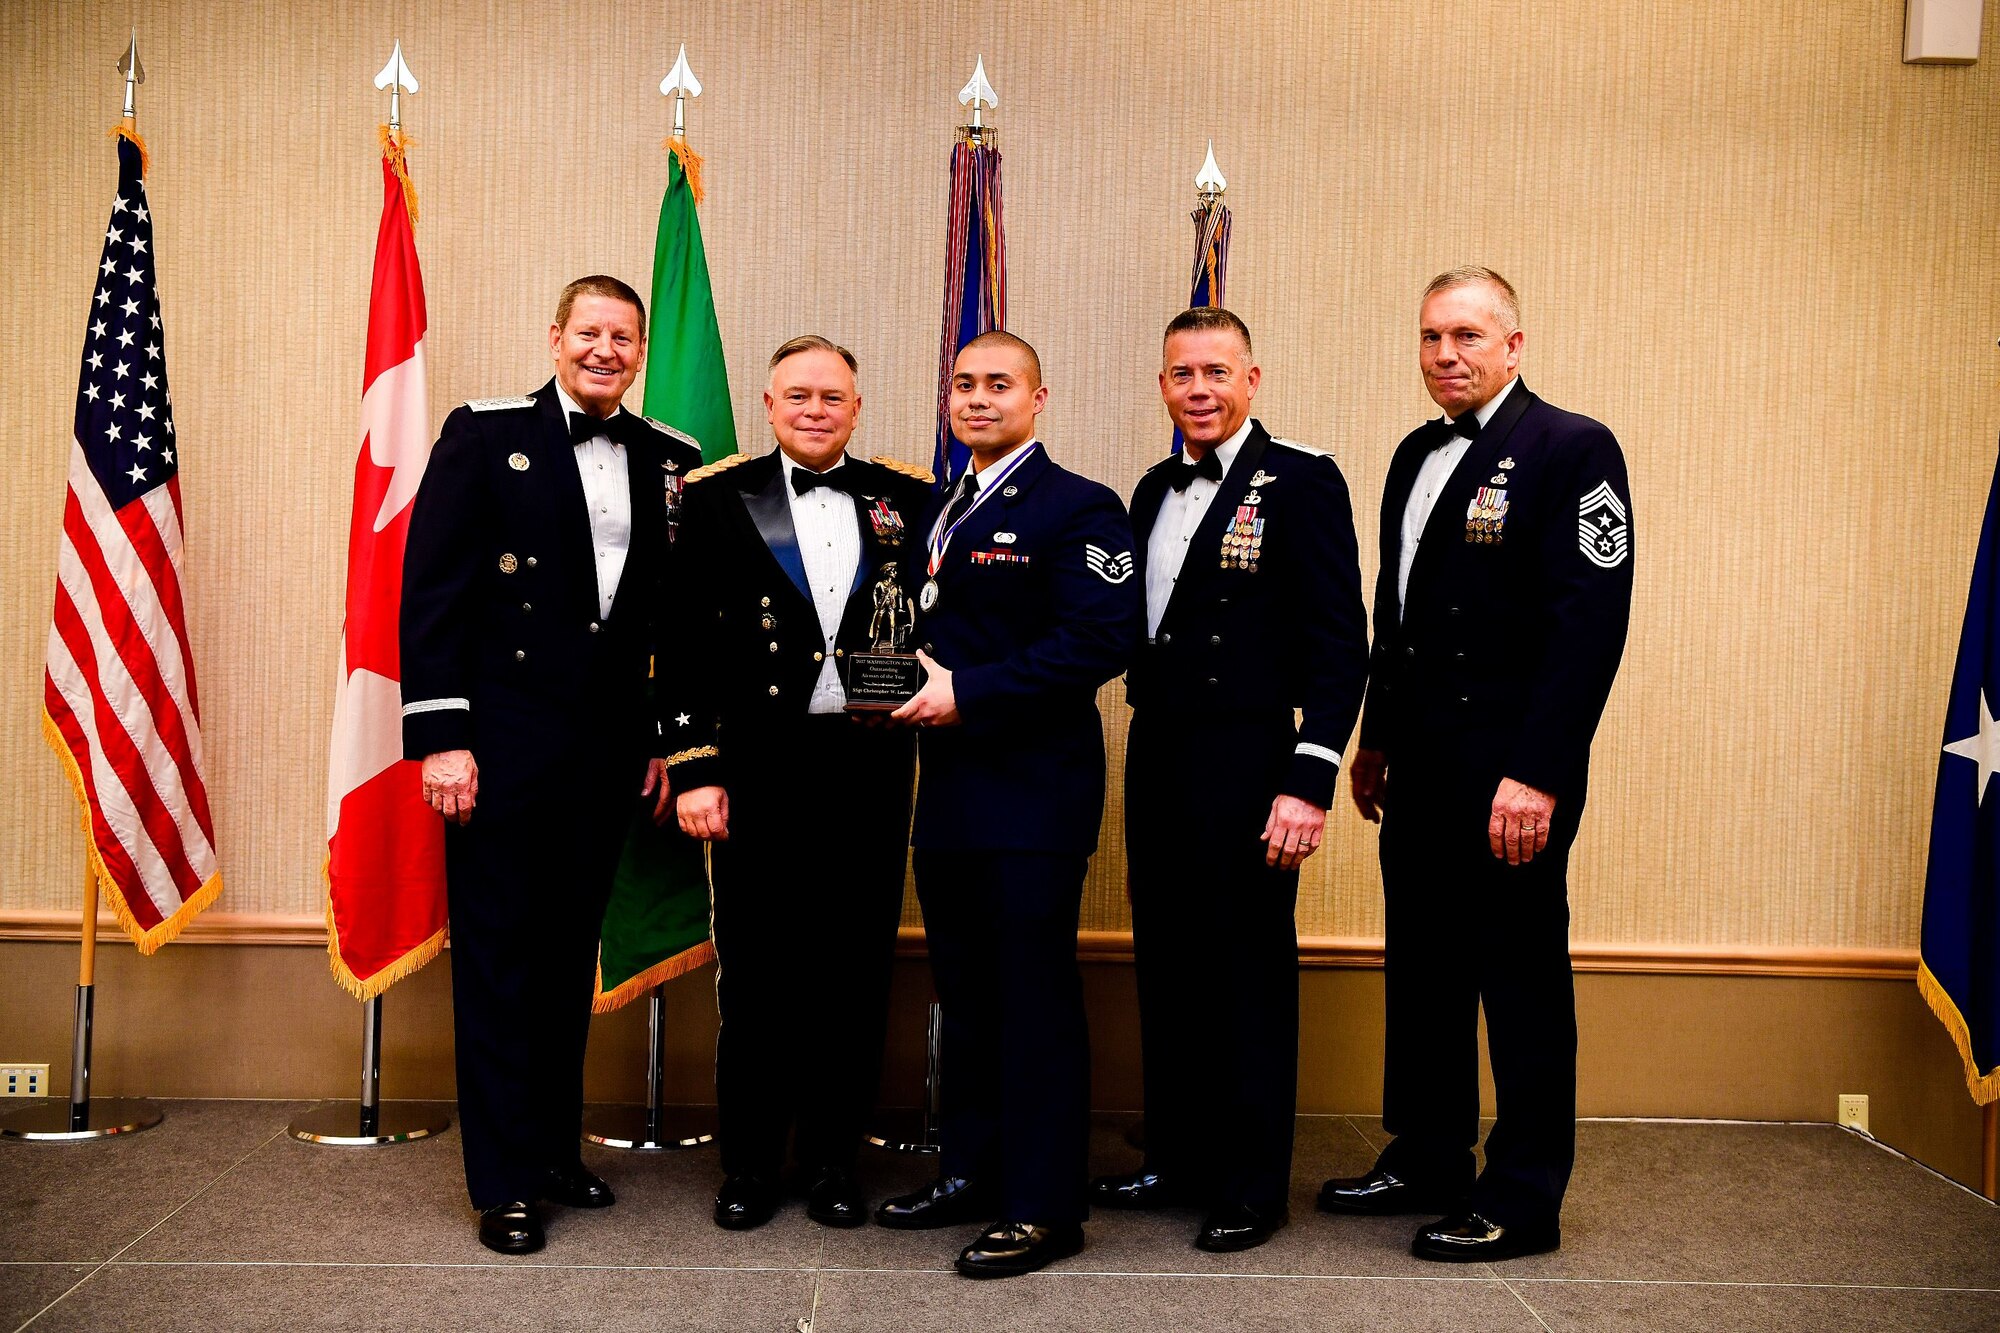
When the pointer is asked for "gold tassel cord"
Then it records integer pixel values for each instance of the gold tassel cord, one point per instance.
(145, 940)
(690, 164)
(395, 151)
(125, 129)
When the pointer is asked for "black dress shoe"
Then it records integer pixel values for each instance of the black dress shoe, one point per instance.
(948, 1201)
(511, 1228)
(1379, 1194)
(1468, 1238)
(574, 1187)
(1237, 1227)
(1009, 1249)
(835, 1200)
(1137, 1189)
(744, 1202)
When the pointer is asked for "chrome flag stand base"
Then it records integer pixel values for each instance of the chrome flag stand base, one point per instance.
(655, 1126)
(368, 1123)
(915, 1130)
(81, 1118)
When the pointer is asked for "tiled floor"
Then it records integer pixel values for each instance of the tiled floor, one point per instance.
(217, 1220)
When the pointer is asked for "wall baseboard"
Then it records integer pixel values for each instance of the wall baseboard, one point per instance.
(1115, 946)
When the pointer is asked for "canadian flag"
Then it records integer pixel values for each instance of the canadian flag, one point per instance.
(385, 847)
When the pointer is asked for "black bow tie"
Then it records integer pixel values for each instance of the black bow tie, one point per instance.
(1466, 427)
(583, 426)
(1181, 476)
(805, 480)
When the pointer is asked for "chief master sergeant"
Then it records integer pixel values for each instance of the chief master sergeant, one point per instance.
(1500, 616)
(536, 559)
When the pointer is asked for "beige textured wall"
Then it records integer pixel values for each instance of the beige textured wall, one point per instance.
(1750, 239)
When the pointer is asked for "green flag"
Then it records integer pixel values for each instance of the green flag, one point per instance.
(687, 385)
(656, 926)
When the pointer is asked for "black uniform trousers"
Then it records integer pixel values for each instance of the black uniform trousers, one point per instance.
(808, 890)
(1217, 952)
(1465, 928)
(526, 888)
(1001, 927)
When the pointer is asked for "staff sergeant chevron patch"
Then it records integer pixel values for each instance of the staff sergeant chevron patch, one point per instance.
(1602, 533)
(1111, 568)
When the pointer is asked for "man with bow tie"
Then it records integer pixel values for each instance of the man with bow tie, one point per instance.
(532, 578)
(806, 808)
(1253, 610)
(1500, 617)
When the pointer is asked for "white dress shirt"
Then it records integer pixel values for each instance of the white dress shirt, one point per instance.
(607, 492)
(829, 536)
(1180, 514)
(1431, 479)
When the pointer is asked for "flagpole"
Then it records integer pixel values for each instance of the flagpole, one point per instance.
(656, 1126)
(82, 1118)
(1989, 1153)
(365, 1122)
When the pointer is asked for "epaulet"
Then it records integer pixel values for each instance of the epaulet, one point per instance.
(922, 474)
(670, 432)
(497, 404)
(1302, 448)
(707, 470)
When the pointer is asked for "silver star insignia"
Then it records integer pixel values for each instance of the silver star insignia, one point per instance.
(682, 720)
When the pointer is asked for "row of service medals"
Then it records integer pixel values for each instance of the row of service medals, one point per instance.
(1485, 515)
(1243, 542)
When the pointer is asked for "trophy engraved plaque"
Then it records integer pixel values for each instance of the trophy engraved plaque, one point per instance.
(887, 675)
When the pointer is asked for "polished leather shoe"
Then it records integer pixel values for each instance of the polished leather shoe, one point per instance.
(1137, 1189)
(835, 1200)
(574, 1187)
(511, 1228)
(744, 1202)
(948, 1201)
(1237, 1227)
(1469, 1238)
(1379, 1194)
(1009, 1249)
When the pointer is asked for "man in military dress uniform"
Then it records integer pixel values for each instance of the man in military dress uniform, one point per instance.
(808, 809)
(1253, 609)
(1028, 603)
(536, 559)
(1500, 617)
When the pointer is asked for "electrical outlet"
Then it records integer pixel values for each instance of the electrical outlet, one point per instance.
(1854, 1111)
(24, 1080)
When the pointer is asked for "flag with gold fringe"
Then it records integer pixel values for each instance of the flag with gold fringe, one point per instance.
(656, 926)
(119, 703)
(385, 897)
(1959, 971)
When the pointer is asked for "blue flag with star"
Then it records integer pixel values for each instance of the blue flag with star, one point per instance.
(1959, 972)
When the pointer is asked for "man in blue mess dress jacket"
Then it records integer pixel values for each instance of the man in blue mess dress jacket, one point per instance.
(1500, 617)
(787, 556)
(1029, 602)
(1253, 607)
(536, 560)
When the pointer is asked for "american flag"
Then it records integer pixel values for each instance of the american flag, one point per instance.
(119, 696)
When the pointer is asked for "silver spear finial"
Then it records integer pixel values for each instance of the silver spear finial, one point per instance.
(396, 77)
(680, 84)
(134, 72)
